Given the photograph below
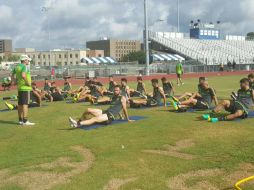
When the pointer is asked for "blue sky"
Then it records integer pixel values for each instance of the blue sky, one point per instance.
(72, 22)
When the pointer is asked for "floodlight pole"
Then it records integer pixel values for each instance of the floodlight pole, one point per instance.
(178, 16)
(46, 10)
(146, 38)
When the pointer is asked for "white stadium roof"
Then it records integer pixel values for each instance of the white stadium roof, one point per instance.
(98, 60)
(167, 57)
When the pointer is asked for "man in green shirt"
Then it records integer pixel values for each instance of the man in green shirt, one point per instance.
(179, 73)
(23, 78)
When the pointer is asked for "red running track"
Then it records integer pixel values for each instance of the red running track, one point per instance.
(158, 76)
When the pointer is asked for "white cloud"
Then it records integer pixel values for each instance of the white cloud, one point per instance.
(72, 22)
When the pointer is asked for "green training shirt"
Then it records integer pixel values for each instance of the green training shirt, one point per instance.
(179, 68)
(18, 70)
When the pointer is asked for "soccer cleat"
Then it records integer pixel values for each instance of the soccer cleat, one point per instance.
(73, 123)
(214, 120)
(206, 116)
(9, 106)
(175, 99)
(28, 123)
(175, 105)
(20, 123)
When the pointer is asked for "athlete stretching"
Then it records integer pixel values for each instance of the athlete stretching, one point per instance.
(92, 116)
(238, 108)
(201, 100)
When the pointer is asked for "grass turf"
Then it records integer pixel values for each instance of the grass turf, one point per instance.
(118, 151)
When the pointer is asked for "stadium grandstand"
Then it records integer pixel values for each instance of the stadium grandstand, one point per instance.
(206, 45)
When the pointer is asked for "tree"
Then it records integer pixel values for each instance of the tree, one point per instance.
(139, 56)
(250, 35)
(10, 58)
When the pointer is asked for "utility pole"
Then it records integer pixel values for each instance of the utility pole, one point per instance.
(146, 38)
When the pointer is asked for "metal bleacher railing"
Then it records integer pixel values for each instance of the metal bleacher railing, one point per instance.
(79, 72)
(208, 52)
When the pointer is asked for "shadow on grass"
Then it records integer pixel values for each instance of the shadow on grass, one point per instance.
(8, 122)
(68, 129)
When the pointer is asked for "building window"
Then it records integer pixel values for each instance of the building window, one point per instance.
(39, 56)
(39, 63)
(44, 56)
(100, 55)
(49, 56)
(60, 56)
(65, 63)
(70, 55)
(65, 55)
(44, 63)
(71, 63)
(77, 62)
(76, 55)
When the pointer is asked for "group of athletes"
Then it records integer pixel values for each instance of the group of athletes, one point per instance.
(121, 96)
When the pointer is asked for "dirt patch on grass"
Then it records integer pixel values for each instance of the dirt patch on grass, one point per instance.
(44, 176)
(116, 184)
(180, 182)
(243, 171)
(175, 151)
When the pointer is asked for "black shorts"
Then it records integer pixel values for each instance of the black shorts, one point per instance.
(23, 98)
(57, 97)
(202, 105)
(111, 118)
(33, 105)
(237, 106)
(152, 102)
(179, 75)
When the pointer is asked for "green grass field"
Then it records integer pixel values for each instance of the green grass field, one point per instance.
(165, 151)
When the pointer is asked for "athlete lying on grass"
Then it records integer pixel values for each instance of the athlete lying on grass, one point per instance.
(140, 90)
(201, 100)
(93, 116)
(237, 107)
(152, 100)
(111, 87)
(35, 99)
(188, 95)
(251, 80)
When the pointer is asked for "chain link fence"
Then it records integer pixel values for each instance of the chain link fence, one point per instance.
(78, 72)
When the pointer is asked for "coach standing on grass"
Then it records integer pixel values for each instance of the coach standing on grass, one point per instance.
(179, 73)
(23, 78)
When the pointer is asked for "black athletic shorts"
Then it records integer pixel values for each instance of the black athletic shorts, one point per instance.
(179, 75)
(33, 105)
(202, 105)
(23, 98)
(236, 106)
(57, 97)
(152, 102)
(111, 118)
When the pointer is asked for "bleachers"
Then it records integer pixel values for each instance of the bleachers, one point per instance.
(210, 52)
